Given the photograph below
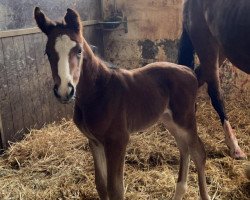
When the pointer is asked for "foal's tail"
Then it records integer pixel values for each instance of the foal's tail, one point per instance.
(186, 50)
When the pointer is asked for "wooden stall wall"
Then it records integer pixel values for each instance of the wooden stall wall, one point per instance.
(17, 14)
(26, 96)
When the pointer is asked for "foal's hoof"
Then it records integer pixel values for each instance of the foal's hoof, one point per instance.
(238, 154)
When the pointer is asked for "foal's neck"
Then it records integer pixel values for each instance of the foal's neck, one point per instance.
(93, 74)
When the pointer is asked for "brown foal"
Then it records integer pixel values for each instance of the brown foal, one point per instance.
(112, 103)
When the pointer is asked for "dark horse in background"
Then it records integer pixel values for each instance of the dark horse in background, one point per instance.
(216, 30)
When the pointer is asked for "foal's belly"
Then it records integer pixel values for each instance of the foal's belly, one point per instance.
(143, 114)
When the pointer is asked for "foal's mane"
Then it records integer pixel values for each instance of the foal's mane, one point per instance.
(98, 72)
(96, 60)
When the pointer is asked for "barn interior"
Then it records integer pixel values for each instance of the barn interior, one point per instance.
(44, 155)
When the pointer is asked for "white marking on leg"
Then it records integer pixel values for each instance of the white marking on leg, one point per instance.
(181, 137)
(181, 188)
(232, 142)
(63, 46)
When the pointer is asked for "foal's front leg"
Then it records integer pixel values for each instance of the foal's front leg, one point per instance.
(115, 154)
(100, 163)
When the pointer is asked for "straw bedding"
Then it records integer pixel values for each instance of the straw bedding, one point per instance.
(55, 162)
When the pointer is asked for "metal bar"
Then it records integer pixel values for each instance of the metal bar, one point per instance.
(90, 22)
(26, 31)
(117, 22)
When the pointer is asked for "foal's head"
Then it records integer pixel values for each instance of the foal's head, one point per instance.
(64, 49)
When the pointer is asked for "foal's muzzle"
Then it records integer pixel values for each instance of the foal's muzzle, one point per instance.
(70, 96)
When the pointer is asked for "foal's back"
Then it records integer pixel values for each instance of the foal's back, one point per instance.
(151, 90)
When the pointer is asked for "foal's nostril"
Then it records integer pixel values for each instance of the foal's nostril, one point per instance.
(66, 97)
(72, 91)
(56, 91)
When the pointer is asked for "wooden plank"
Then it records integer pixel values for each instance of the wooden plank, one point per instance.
(7, 127)
(27, 31)
(36, 104)
(61, 112)
(48, 82)
(24, 83)
(18, 32)
(69, 110)
(1, 135)
(29, 89)
(52, 102)
(39, 51)
(13, 85)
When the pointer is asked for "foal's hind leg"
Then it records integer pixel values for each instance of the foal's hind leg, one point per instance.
(198, 155)
(188, 143)
(181, 185)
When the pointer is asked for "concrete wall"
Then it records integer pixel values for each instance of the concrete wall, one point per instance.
(153, 32)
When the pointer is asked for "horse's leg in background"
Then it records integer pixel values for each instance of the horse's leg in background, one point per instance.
(115, 149)
(207, 50)
(196, 37)
(231, 140)
(214, 91)
(209, 72)
(97, 150)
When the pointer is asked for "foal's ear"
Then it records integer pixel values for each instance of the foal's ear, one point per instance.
(43, 22)
(73, 20)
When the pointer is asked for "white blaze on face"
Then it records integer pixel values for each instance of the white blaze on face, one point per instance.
(63, 46)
